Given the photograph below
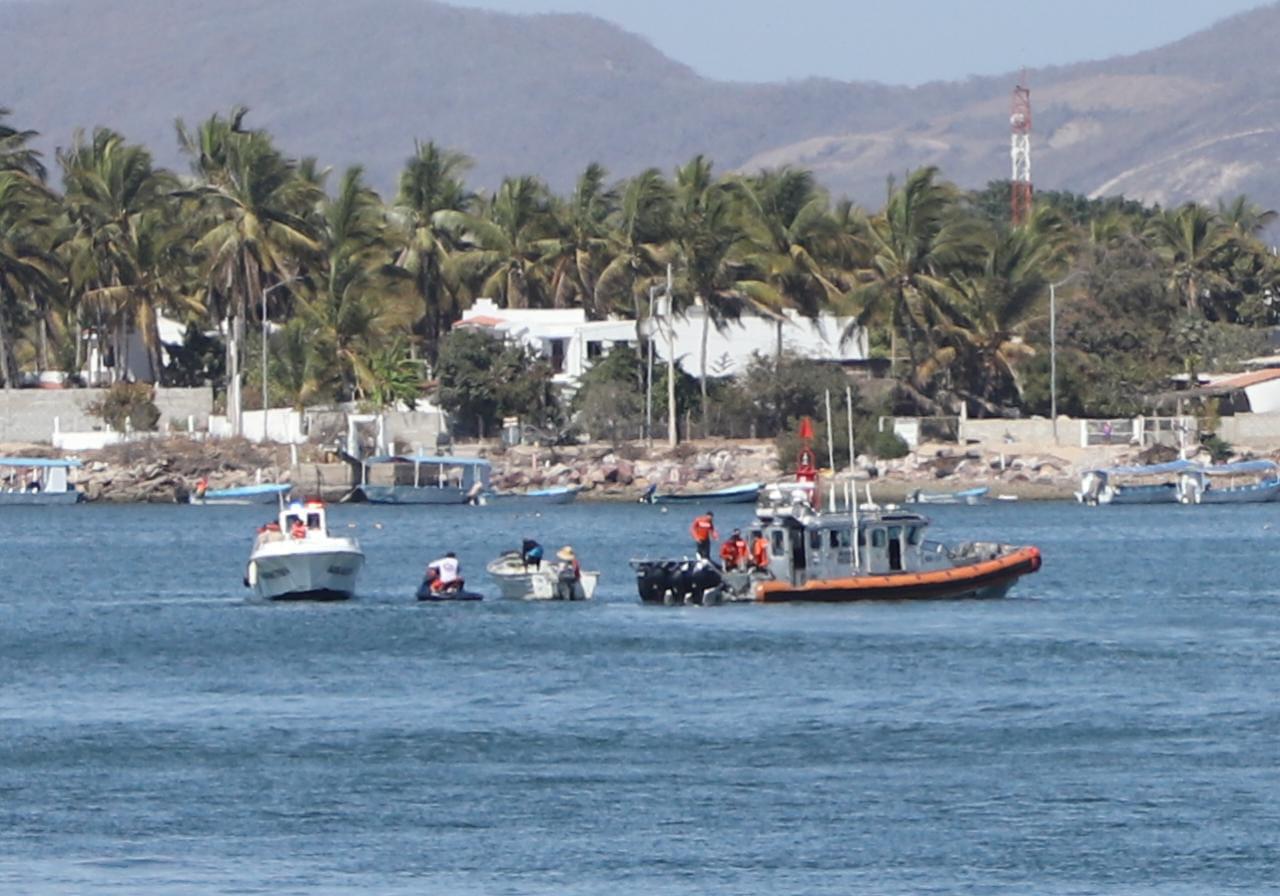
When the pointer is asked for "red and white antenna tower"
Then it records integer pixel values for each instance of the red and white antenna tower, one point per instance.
(1020, 150)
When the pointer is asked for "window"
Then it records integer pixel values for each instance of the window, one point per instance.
(595, 350)
(878, 538)
(557, 355)
(777, 542)
(815, 540)
(913, 535)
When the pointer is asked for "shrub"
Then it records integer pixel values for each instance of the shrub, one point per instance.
(128, 405)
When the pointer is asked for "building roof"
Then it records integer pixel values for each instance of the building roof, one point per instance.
(1240, 381)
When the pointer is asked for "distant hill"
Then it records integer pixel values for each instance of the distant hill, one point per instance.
(358, 80)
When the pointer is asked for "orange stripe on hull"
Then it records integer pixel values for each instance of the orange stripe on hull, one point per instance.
(938, 583)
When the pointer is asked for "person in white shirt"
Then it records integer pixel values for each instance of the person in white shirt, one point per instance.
(447, 573)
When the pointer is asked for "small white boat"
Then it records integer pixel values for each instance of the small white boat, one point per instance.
(265, 493)
(976, 495)
(297, 558)
(536, 497)
(1243, 482)
(516, 581)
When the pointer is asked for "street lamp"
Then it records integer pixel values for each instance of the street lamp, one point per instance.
(266, 292)
(1053, 349)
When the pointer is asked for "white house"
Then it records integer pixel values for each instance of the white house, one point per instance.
(729, 352)
(572, 343)
(563, 336)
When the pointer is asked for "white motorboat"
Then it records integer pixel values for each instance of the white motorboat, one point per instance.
(297, 558)
(1243, 482)
(1144, 484)
(518, 581)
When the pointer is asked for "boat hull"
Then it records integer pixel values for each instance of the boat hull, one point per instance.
(410, 494)
(516, 583)
(290, 571)
(1261, 493)
(38, 499)
(984, 579)
(745, 494)
(538, 498)
(265, 494)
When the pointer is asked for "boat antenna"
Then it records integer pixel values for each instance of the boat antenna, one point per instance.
(848, 405)
(807, 461)
(831, 448)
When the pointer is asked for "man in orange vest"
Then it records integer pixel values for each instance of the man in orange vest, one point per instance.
(734, 551)
(704, 531)
(760, 551)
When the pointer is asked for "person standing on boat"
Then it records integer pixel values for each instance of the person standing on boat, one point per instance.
(759, 551)
(447, 573)
(734, 551)
(531, 554)
(704, 532)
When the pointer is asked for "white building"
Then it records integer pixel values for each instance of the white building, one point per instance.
(730, 351)
(563, 336)
(572, 343)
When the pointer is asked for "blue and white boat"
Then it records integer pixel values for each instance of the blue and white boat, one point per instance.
(976, 495)
(30, 481)
(1243, 482)
(734, 494)
(534, 497)
(426, 479)
(1142, 484)
(265, 493)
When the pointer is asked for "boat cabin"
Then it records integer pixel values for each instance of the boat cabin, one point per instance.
(303, 519)
(35, 474)
(429, 479)
(807, 545)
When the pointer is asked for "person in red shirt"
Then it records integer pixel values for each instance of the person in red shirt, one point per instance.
(704, 532)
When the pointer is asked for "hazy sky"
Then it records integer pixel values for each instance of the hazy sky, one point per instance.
(892, 41)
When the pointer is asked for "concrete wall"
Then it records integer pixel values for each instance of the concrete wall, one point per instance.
(1257, 431)
(27, 415)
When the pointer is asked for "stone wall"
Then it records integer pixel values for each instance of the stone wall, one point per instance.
(27, 415)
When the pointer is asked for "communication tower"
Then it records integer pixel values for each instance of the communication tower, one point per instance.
(1020, 150)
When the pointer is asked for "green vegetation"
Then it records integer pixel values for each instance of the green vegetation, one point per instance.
(360, 294)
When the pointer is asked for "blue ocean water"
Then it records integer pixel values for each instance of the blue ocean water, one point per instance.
(1110, 727)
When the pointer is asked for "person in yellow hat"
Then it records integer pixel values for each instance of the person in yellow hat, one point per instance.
(568, 573)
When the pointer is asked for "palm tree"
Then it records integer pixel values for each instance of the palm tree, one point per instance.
(431, 184)
(797, 240)
(254, 220)
(363, 302)
(504, 248)
(27, 268)
(636, 243)
(125, 239)
(917, 243)
(15, 154)
(708, 234)
(575, 254)
(1195, 243)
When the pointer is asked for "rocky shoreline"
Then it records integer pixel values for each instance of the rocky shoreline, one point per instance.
(164, 471)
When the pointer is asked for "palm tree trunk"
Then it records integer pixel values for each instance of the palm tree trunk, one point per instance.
(6, 356)
(706, 327)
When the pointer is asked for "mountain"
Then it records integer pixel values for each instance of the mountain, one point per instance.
(357, 81)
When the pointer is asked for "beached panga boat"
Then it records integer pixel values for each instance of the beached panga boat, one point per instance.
(29, 481)
(734, 494)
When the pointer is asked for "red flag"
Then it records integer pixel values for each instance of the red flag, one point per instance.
(806, 428)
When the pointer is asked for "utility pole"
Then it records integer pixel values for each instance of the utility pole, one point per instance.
(672, 437)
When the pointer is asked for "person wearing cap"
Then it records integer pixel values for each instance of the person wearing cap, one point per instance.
(734, 552)
(704, 532)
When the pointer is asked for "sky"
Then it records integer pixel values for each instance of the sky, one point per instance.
(891, 41)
